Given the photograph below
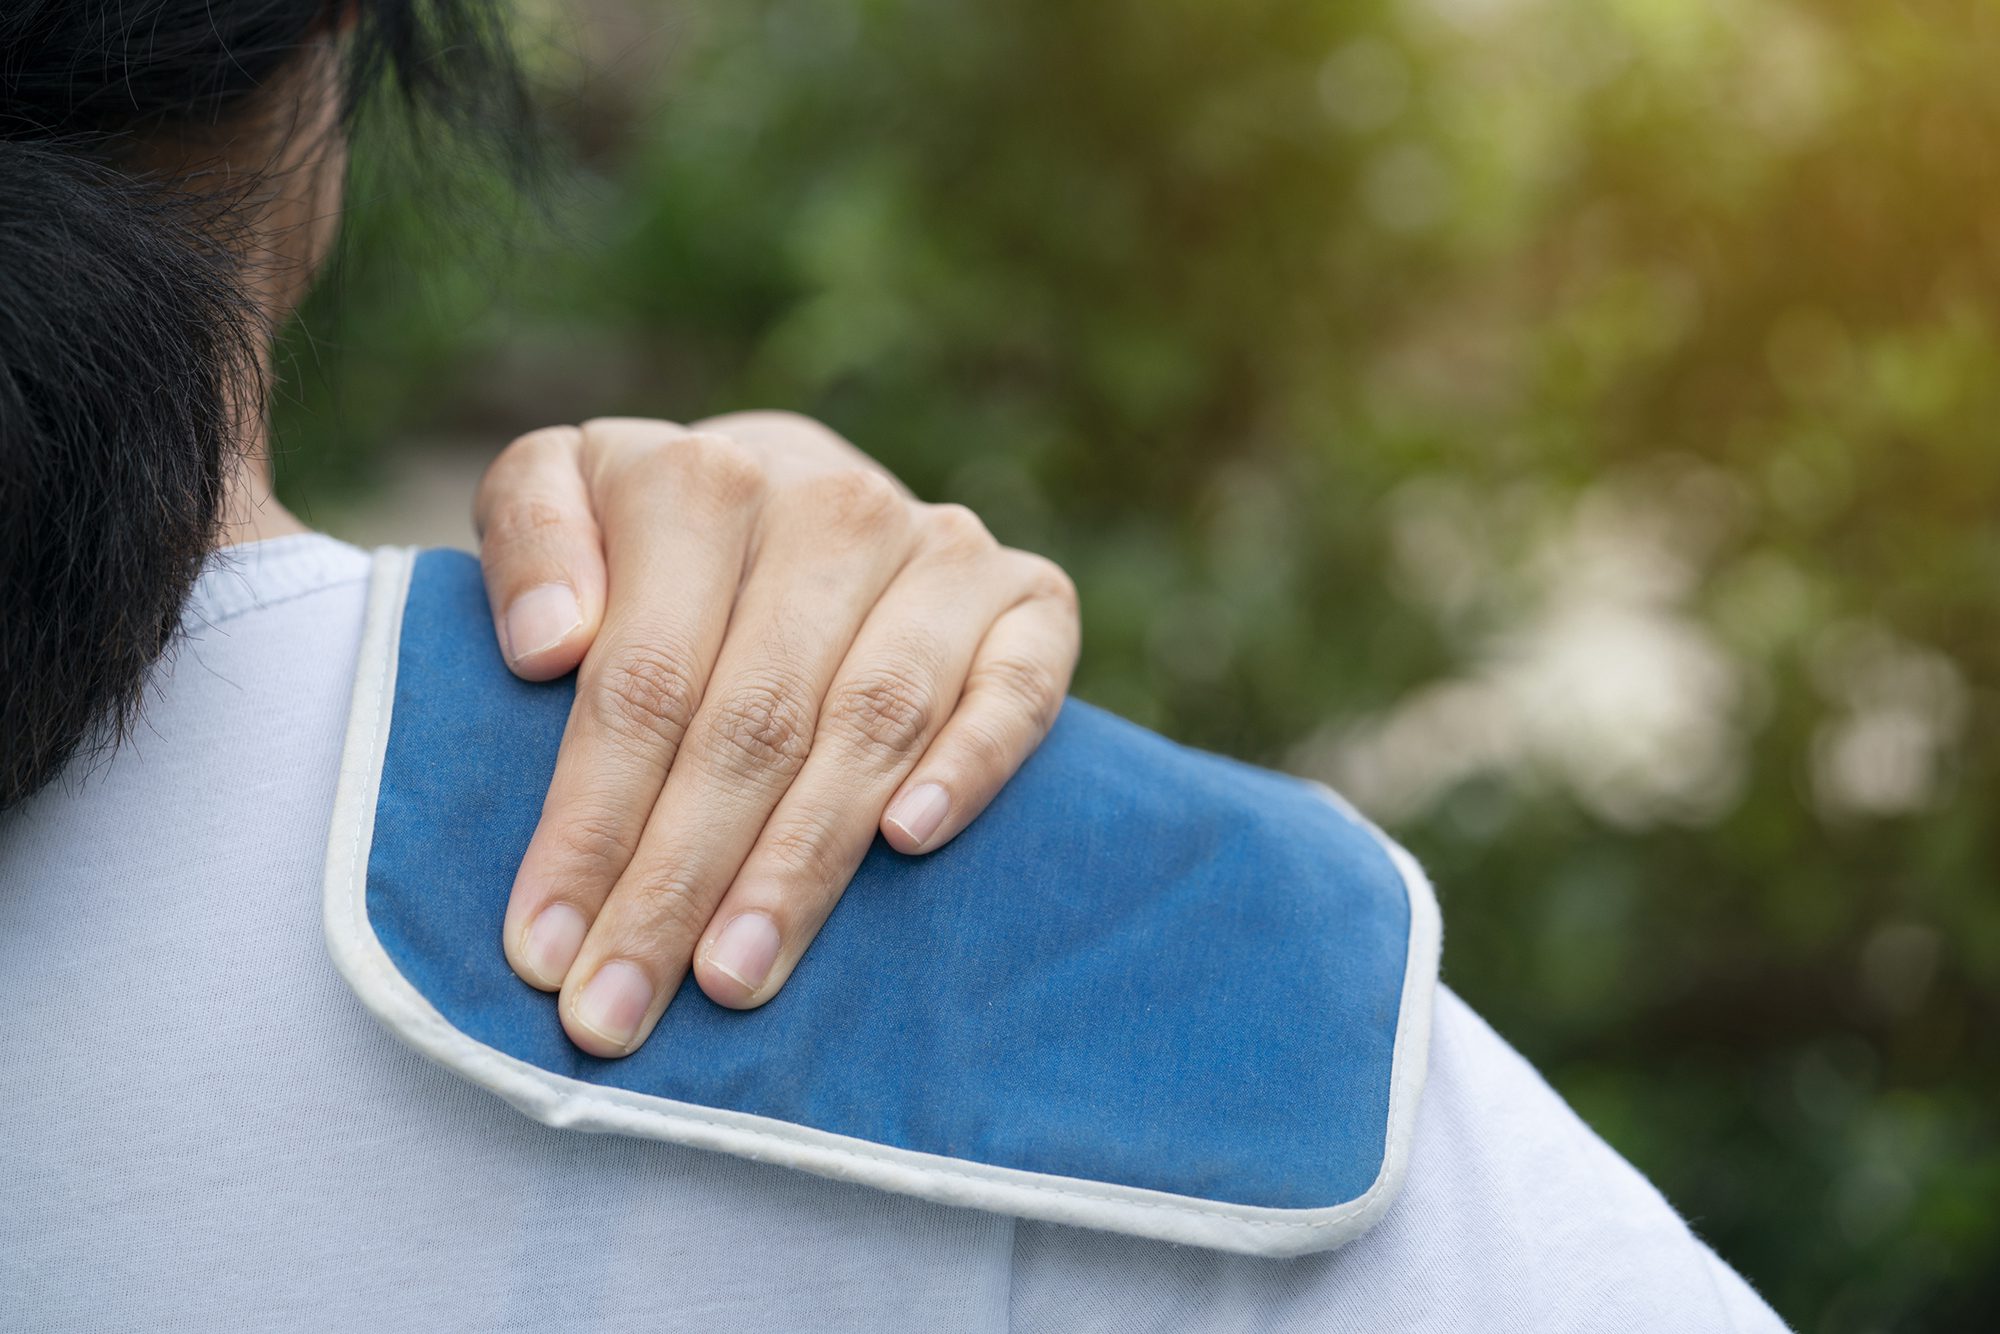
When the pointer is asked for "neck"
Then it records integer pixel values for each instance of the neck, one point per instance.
(250, 508)
(288, 233)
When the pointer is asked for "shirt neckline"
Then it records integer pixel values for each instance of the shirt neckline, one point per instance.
(245, 578)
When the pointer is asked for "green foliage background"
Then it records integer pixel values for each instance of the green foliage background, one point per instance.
(1571, 428)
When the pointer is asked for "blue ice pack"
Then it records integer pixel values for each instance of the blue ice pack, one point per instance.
(1150, 990)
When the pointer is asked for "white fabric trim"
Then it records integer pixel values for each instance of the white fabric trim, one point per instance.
(560, 1101)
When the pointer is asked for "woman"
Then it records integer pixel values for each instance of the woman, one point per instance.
(205, 1129)
(164, 212)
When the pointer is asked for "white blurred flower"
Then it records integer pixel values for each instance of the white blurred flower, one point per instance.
(1605, 686)
(1902, 709)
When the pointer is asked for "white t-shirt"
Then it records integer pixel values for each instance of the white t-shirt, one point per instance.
(204, 1130)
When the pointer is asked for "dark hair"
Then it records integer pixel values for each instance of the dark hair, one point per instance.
(130, 352)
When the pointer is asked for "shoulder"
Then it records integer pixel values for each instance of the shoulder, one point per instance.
(1543, 1217)
(1514, 1217)
(1151, 990)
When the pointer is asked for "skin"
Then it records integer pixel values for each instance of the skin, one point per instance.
(779, 651)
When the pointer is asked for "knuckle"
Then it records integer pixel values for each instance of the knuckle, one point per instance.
(523, 457)
(853, 500)
(604, 429)
(521, 521)
(712, 464)
(884, 710)
(657, 908)
(956, 530)
(757, 729)
(646, 692)
(1022, 684)
(802, 850)
(1050, 581)
(763, 421)
(983, 749)
(596, 845)
(610, 447)
(537, 445)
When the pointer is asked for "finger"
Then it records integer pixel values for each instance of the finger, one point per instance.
(542, 554)
(1012, 695)
(640, 683)
(831, 547)
(902, 678)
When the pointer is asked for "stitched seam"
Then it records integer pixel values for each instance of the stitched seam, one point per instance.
(588, 1100)
(572, 1096)
(305, 563)
(266, 604)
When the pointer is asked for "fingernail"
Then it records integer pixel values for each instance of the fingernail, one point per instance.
(615, 1002)
(552, 942)
(540, 619)
(746, 949)
(920, 811)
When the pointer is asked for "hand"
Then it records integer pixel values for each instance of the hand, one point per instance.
(779, 650)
